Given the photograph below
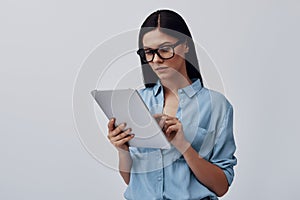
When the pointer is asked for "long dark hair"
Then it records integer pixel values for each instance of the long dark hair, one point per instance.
(174, 25)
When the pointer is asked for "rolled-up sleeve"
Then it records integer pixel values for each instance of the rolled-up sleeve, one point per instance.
(224, 149)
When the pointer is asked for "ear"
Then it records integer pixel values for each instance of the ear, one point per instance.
(186, 46)
(186, 49)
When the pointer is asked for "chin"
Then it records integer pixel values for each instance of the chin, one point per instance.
(170, 75)
(164, 75)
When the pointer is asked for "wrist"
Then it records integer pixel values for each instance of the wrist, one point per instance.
(123, 152)
(124, 148)
(183, 146)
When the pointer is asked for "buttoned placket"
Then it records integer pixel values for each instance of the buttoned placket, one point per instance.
(180, 103)
(160, 173)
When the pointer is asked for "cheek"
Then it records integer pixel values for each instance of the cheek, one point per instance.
(180, 55)
(151, 65)
(179, 59)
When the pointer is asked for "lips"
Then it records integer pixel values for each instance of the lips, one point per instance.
(160, 68)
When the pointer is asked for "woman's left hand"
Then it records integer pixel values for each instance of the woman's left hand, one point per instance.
(172, 128)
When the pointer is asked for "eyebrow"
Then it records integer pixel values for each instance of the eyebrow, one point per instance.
(145, 47)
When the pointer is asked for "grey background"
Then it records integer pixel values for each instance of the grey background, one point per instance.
(255, 45)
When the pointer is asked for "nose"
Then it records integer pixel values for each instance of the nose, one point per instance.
(157, 59)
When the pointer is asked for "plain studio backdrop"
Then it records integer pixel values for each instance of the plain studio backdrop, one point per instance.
(254, 44)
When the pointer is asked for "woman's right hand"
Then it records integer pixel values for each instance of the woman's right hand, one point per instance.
(117, 136)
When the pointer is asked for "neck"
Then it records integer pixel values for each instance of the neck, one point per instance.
(172, 85)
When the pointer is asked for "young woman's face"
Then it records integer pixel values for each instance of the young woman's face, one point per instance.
(169, 68)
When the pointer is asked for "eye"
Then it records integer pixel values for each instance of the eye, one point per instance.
(165, 49)
(148, 51)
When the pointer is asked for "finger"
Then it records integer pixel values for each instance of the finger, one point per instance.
(173, 128)
(161, 123)
(117, 130)
(124, 140)
(169, 123)
(121, 135)
(164, 117)
(111, 125)
(158, 115)
(167, 117)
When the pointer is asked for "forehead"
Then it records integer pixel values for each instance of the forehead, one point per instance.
(155, 38)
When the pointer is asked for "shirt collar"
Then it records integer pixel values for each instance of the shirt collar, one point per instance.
(157, 88)
(190, 90)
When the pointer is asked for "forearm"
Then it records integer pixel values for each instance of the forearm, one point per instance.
(207, 173)
(125, 163)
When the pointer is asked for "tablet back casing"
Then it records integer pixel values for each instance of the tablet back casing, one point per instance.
(127, 106)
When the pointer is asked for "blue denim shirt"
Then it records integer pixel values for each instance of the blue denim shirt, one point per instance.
(207, 120)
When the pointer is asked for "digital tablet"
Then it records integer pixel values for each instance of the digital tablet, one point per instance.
(126, 105)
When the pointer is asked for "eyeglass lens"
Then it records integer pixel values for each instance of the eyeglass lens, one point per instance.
(165, 52)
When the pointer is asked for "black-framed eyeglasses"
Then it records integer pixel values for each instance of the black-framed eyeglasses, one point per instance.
(165, 52)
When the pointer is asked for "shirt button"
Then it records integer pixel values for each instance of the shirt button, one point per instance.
(159, 178)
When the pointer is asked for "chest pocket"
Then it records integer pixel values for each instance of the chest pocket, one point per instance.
(199, 138)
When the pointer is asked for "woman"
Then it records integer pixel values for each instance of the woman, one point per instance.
(196, 121)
